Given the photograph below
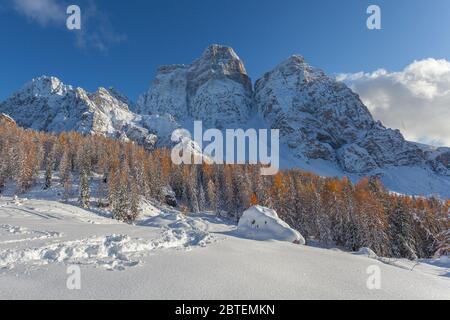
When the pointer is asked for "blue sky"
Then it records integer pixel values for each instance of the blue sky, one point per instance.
(123, 42)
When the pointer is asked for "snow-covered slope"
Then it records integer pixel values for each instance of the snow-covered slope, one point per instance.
(168, 255)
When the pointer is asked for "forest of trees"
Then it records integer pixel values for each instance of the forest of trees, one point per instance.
(330, 210)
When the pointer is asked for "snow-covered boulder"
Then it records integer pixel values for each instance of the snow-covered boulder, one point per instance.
(367, 252)
(262, 223)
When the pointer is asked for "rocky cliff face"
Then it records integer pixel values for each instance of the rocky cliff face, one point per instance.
(215, 89)
(321, 118)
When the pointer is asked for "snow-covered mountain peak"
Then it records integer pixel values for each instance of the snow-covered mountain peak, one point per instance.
(45, 86)
(121, 97)
(106, 99)
(102, 91)
(296, 66)
(171, 68)
(321, 118)
(293, 60)
(215, 89)
(220, 62)
(222, 59)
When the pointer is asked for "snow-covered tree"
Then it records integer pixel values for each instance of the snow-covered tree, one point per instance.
(84, 189)
(211, 193)
(401, 229)
(27, 166)
(370, 219)
(120, 203)
(134, 202)
(443, 244)
(65, 167)
(85, 167)
(101, 194)
(49, 161)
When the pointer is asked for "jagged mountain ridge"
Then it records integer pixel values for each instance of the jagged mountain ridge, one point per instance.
(318, 117)
(47, 104)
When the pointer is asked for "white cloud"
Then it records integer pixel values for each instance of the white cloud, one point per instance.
(42, 11)
(97, 31)
(415, 100)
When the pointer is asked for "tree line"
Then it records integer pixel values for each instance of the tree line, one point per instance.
(331, 210)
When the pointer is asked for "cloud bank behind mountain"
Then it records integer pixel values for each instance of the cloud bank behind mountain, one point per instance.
(415, 100)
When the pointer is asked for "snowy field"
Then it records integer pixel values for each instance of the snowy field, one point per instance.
(167, 255)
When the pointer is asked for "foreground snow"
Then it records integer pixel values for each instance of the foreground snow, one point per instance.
(168, 255)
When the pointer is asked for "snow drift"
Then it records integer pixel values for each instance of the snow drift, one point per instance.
(262, 223)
